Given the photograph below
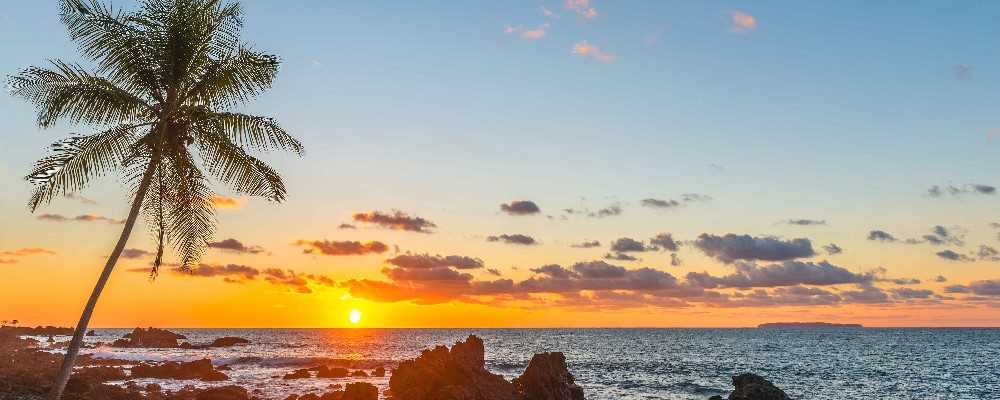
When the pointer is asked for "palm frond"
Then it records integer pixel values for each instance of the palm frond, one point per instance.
(69, 91)
(252, 132)
(190, 217)
(116, 42)
(77, 160)
(232, 165)
(235, 79)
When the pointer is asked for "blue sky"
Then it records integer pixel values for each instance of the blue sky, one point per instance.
(843, 111)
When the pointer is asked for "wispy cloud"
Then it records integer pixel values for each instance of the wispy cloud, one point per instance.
(223, 202)
(582, 8)
(742, 22)
(79, 218)
(342, 248)
(235, 246)
(515, 238)
(396, 220)
(11, 256)
(520, 207)
(587, 50)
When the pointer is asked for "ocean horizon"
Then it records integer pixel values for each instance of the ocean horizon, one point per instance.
(618, 363)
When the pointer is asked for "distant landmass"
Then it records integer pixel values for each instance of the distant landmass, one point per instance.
(807, 325)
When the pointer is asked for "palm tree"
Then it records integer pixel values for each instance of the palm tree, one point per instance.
(167, 79)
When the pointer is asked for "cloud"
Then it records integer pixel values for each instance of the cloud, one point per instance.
(586, 244)
(940, 278)
(23, 252)
(984, 253)
(555, 271)
(866, 295)
(833, 249)
(942, 236)
(908, 293)
(80, 218)
(346, 226)
(609, 211)
(619, 257)
(742, 22)
(516, 238)
(581, 8)
(626, 245)
(494, 271)
(585, 49)
(665, 241)
(520, 207)
(951, 190)
(528, 34)
(731, 247)
(231, 271)
(136, 253)
(80, 198)
(223, 202)
(342, 248)
(806, 222)
(660, 203)
(426, 261)
(235, 246)
(881, 236)
(297, 282)
(675, 261)
(953, 256)
(903, 281)
(548, 13)
(982, 288)
(27, 251)
(788, 273)
(397, 220)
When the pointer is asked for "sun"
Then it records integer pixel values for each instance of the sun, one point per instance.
(354, 316)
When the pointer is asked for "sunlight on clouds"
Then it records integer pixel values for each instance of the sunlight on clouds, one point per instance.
(742, 22)
(223, 202)
(586, 49)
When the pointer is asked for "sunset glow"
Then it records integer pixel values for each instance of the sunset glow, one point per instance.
(354, 316)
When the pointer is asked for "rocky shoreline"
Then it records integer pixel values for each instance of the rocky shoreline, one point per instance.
(456, 373)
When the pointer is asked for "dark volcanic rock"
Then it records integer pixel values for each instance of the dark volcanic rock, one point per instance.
(230, 392)
(360, 391)
(91, 333)
(547, 378)
(151, 338)
(201, 369)
(229, 341)
(456, 374)
(298, 374)
(754, 387)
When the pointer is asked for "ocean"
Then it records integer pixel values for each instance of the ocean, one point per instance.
(678, 364)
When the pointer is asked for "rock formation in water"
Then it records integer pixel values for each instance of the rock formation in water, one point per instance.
(151, 338)
(547, 378)
(200, 369)
(229, 341)
(753, 387)
(460, 374)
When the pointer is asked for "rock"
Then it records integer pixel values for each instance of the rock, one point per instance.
(716, 397)
(335, 372)
(547, 378)
(91, 333)
(229, 341)
(754, 387)
(360, 391)
(99, 374)
(456, 374)
(359, 374)
(230, 392)
(379, 372)
(50, 339)
(298, 374)
(149, 338)
(200, 369)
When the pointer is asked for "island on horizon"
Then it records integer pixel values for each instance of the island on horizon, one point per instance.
(807, 325)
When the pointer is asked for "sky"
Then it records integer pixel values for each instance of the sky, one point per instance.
(573, 164)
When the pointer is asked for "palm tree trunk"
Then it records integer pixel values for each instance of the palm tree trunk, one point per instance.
(81, 327)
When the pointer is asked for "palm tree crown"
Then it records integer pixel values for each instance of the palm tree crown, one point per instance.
(167, 79)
